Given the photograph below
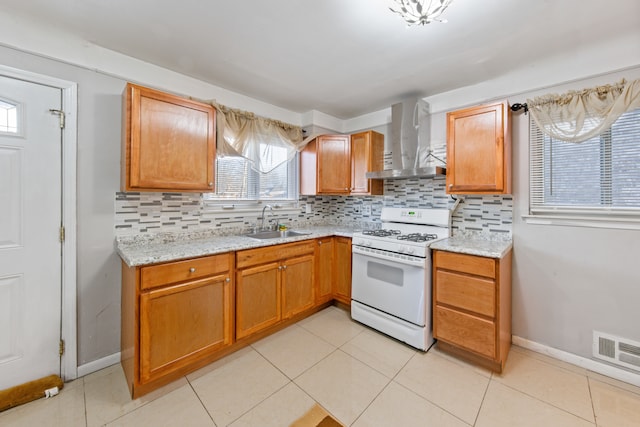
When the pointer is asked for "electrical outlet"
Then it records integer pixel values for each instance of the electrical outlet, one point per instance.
(308, 208)
(366, 209)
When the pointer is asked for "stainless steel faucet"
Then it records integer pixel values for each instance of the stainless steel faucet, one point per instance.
(263, 209)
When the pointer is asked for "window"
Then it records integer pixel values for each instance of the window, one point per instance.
(237, 180)
(599, 177)
(8, 117)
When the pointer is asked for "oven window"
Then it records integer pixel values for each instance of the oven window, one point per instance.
(385, 273)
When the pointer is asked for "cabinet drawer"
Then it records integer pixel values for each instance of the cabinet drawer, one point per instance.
(464, 330)
(471, 293)
(179, 271)
(259, 256)
(463, 263)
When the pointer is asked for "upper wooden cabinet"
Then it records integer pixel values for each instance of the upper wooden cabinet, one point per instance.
(337, 164)
(366, 156)
(325, 165)
(168, 142)
(479, 150)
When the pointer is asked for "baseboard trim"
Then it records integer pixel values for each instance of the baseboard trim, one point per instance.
(583, 362)
(96, 365)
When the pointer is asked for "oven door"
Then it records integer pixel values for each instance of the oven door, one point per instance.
(397, 285)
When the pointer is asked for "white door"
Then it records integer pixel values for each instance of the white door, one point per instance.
(30, 220)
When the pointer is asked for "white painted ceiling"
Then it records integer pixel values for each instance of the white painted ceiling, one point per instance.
(341, 57)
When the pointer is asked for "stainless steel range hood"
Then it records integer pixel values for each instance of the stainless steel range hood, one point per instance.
(425, 172)
(410, 143)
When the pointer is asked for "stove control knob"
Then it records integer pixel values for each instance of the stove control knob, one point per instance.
(410, 250)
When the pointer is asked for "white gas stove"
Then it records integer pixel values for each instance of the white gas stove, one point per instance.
(391, 273)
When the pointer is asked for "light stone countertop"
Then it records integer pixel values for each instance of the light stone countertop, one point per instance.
(474, 246)
(145, 250)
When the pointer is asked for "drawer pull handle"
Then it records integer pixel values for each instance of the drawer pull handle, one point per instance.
(192, 270)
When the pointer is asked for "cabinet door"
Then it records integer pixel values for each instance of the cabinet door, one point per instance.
(479, 150)
(342, 283)
(324, 269)
(257, 298)
(366, 156)
(334, 163)
(169, 142)
(181, 323)
(297, 285)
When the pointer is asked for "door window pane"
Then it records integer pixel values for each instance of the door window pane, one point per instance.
(8, 117)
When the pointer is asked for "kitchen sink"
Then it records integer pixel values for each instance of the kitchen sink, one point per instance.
(275, 234)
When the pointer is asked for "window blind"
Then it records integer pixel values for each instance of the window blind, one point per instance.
(236, 179)
(600, 176)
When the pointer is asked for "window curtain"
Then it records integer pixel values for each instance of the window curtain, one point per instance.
(264, 142)
(577, 116)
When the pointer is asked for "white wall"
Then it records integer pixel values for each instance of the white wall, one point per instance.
(570, 281)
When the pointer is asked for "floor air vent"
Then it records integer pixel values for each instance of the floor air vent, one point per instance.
(616, 350)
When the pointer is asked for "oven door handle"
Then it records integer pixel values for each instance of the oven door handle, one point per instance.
(419, 262)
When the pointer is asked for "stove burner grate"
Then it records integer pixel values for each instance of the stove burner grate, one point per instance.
(417, 237)
(381, 233)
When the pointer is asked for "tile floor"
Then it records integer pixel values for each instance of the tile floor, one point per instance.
(361, 377)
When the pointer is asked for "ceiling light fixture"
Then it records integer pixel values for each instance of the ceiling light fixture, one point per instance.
(421, 12)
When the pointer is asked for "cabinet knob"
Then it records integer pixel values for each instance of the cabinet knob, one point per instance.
(279, 267)
(284, 266)
(192, 270)
(211, 184)
(227, 280)
(450, 185)
(319, 242)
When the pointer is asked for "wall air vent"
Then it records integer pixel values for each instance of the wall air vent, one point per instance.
(616, 350)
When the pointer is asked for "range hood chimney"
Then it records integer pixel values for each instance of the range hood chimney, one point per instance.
(409, 138)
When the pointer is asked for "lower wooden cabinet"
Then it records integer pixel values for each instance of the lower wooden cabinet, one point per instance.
(179, 316)
(333, 263)
(272, 285)
(472, 306)
(297, 282)
(342, 273)
(324, 269)
(170, 325)
(257, 298)
(180, 323)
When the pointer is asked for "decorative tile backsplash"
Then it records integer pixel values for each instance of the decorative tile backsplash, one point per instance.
(170, 212)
